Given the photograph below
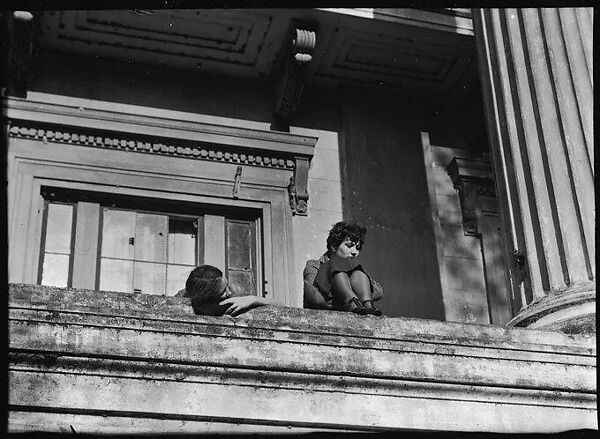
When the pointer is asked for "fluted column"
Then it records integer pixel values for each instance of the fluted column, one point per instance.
(536, 70)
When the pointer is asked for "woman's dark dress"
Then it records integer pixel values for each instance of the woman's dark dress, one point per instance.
(334, 265)
(316, 297)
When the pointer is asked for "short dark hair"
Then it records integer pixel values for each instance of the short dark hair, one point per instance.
(203, 284)
(341, 230)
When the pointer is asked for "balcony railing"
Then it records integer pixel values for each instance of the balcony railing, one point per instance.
(94, 361)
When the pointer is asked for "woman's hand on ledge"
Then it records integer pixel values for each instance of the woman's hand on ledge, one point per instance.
(240, 304)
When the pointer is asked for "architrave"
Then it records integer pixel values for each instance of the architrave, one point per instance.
(164, 136)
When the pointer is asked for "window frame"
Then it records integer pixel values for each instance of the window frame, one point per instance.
(255, 256)
(168, 215)
(105, 201)
(30, 260)
(49, 139)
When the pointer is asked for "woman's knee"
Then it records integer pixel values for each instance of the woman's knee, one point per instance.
(359, 276)
(341, 284)
(340, 276)
(360, 282)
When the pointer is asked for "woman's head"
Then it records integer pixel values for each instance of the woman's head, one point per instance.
(346, 238)
(206, 284)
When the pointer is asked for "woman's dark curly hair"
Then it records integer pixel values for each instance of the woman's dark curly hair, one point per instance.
(341, 230)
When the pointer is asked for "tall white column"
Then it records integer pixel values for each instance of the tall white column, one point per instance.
(536, 70)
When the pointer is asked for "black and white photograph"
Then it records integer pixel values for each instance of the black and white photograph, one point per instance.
(299, 221)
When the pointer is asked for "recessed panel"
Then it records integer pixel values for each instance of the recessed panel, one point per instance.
(194, 39)
(407, 61)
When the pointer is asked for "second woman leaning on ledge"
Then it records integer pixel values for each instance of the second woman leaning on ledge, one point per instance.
(338, 280)
(209, 294)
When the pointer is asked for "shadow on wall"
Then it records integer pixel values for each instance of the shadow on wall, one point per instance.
(385, 189)
(174, 89)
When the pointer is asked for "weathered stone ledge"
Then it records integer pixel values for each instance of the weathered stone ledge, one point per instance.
(79, 356)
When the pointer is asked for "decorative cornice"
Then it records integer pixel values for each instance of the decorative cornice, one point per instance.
(50, 118)
(297, 189)
(472, 178)
(168, 147)
(55, 110)
(479, 172)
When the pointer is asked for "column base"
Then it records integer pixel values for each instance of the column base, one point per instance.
(572, 311)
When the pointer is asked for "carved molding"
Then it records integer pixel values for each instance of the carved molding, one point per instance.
(118, 141)
(20, 38)
(472, 178)
(192, 39)
(289, 74)
(298, 188)
(163, 135)
(53, 111)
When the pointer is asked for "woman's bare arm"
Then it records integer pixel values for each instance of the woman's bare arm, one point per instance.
(241, 304)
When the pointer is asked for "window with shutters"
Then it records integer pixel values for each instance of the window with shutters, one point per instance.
(145, 246)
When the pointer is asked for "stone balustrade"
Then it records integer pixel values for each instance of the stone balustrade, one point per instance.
(93, 361)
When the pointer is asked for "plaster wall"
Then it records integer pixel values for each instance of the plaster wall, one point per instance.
(318, 116)
(218, 100)
(459, 256)
(385, 189)
(368, 146)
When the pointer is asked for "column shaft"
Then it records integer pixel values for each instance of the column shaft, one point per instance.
(580, 66)
(536, 76)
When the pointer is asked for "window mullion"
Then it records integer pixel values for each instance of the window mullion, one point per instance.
(85, 250)
(214, 241)
(200, 239)
(257, 252)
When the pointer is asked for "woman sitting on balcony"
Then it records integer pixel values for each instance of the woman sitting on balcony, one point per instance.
(337, 280)
(210, 295)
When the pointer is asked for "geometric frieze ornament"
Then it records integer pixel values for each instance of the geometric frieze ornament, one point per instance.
(297, 188)
(471, 178)
(19, 26)
(112, 140)
(59, 123)
(288, 74)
